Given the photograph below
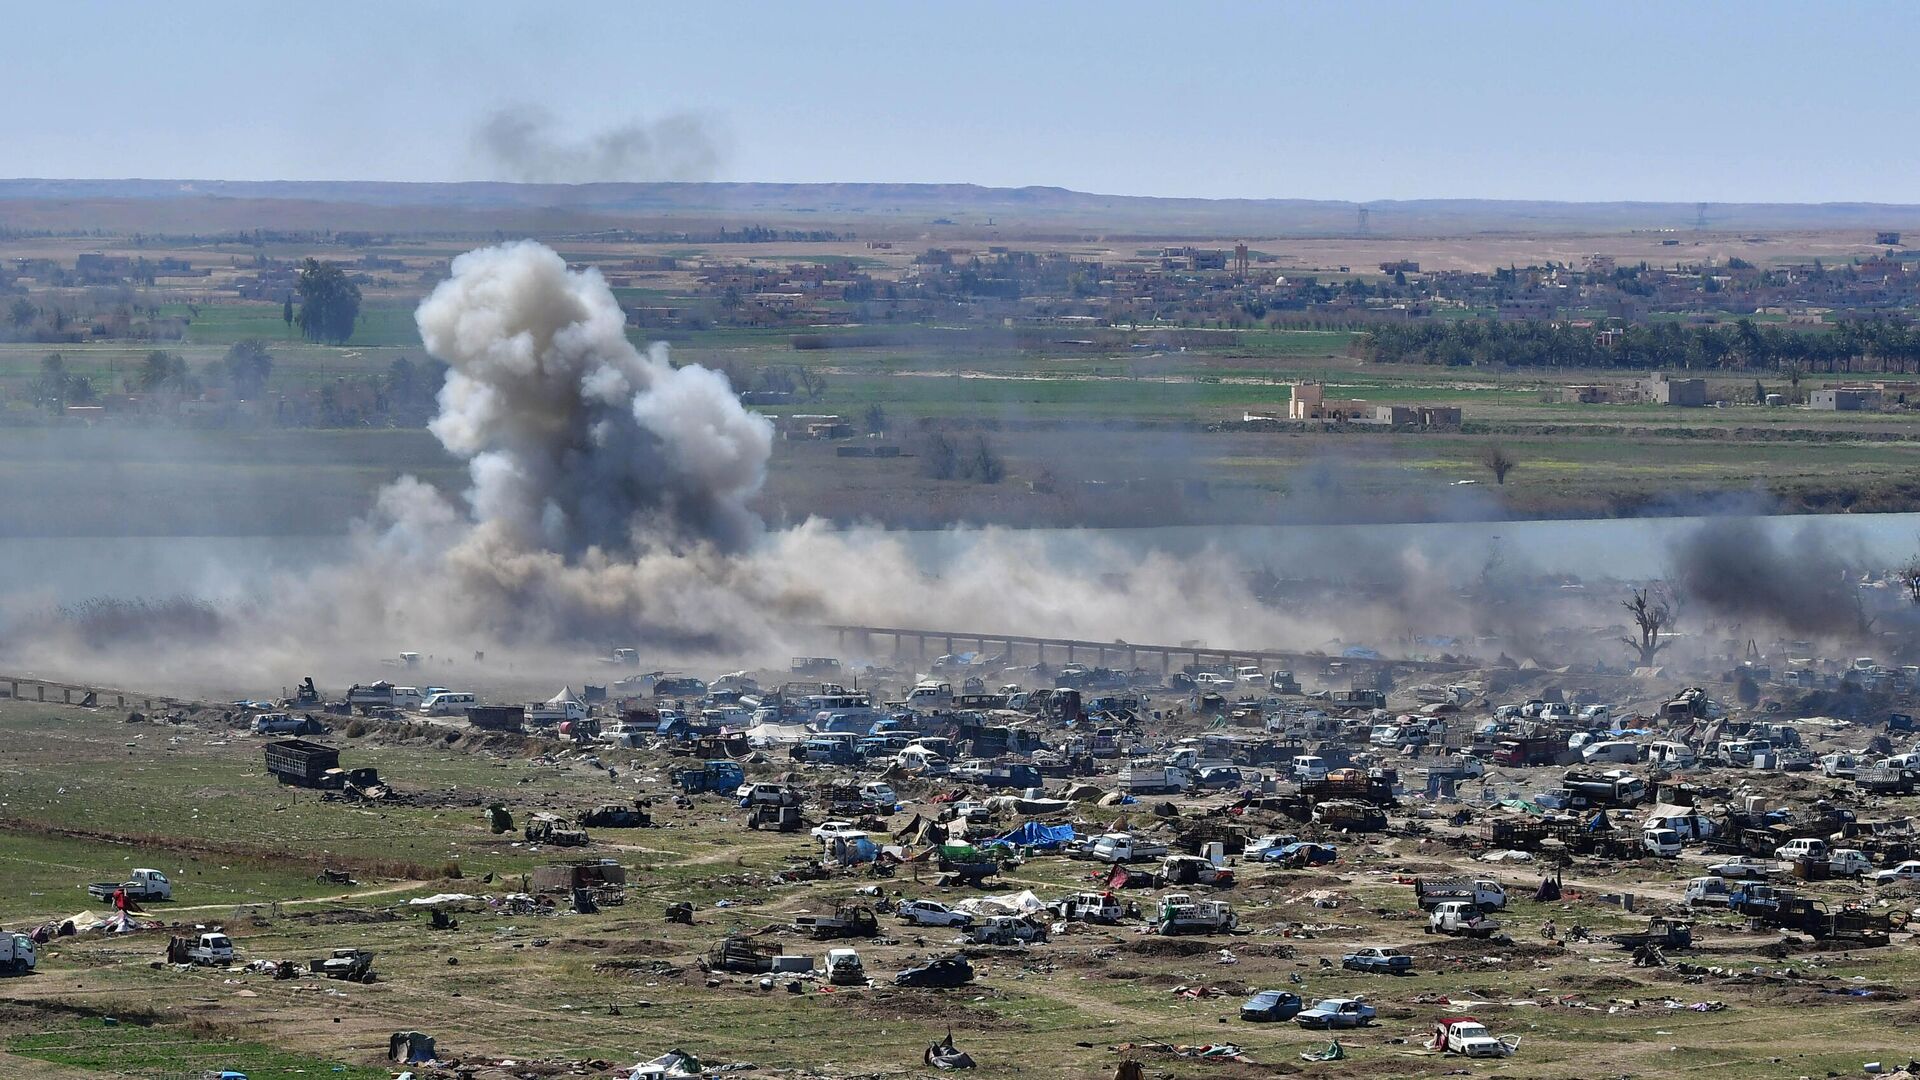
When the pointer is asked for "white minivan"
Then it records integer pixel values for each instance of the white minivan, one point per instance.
(1613, 751)
(448, 703)
(1308, 769)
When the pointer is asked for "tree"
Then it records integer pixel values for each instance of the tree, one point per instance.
(1499, 462)
(1652, 618)
(329, 303)
(939, 458)
(286, 312)
(22, 312)
(983, 464)
(247, 366)
(876, 419)
(812, 383)
(165, 372)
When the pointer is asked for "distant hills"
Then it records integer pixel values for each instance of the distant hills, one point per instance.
(865, 208)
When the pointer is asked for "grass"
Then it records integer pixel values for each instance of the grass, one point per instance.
(380, 324)
(169, 1050)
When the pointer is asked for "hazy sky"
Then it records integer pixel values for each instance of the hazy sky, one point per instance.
(1750, 101)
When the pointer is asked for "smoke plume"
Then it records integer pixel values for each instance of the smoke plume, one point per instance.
(575, 439)
(1731, 568)
(525, 143)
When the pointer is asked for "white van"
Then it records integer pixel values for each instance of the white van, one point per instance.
(1673, 755)
(1309, 769)
(448, 703)
(1613, 751)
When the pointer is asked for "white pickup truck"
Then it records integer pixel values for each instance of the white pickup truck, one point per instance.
(144, 883)
(1123, 848)
(1485, 894)
(211, 949)
(1182, 914)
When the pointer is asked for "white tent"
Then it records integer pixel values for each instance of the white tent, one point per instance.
(777, 734)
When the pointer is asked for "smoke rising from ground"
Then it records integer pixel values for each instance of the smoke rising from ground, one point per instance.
(575, 439)
(525, 143)
(609, 503)
(1732, 569)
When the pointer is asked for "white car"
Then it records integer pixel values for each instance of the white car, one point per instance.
(880, 794)
(932, 913)
(829, 828)
(1213, 680)
(1907, 872)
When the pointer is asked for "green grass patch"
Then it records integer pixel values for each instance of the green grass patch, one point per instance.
(130, 1050)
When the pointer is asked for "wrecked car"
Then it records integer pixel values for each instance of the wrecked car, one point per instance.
(1336, 1013)
(1373, 958)
(932, 913)
(943, 973)
(1270, 1006)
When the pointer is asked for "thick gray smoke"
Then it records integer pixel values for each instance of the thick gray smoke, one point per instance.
(609, 504)
(576, 440)
(525, 143)
(1732, 569)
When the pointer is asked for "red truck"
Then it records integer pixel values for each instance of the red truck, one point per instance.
(1545, 750)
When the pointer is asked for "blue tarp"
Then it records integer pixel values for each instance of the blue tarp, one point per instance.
(1035, 835)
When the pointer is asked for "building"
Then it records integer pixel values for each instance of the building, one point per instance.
(1424, 417)
(1663, 389)
(1311, 403)
(1590, 394)
(1845, 399)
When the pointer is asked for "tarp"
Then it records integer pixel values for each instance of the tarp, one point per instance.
(1035, 835)
(777, 734)
(1020, 903)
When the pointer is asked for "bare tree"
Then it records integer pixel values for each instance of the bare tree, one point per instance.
(1497, 460)
(1652, 618)
(811, 383)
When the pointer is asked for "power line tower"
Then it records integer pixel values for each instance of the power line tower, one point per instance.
(1365, 229)
(1700, 217)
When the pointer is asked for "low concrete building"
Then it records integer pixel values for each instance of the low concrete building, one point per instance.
(1310, 402)
(1663, 389)
(1845, 399)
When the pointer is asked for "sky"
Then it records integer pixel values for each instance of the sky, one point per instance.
(1689, 101)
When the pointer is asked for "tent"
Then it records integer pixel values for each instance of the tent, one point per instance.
(1035, 835)
(778, 734)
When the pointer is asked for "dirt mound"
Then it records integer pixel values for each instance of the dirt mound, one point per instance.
(1597, 984)
(342, 917)
(1162, 946)
(881, 1003)
(606, 947)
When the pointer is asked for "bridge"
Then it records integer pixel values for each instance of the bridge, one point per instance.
(1131, 654)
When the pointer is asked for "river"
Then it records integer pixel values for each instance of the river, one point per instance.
(38, 571)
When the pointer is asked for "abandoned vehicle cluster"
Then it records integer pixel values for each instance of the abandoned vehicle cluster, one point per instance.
(930, 791)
